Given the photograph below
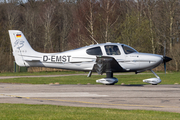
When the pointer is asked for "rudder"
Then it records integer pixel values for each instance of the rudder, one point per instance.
(20, 46)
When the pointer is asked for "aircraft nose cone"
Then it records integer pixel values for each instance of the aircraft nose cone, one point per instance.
(166, 59)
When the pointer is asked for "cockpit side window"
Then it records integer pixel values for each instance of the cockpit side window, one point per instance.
(112, 50)
(128, 50)
(94, 51)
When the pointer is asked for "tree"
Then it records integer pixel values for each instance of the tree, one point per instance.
(135, 33)
(90, 19)
(30, 18)
(108, 18)
(11, 16)
(47, 19)
(65, 24)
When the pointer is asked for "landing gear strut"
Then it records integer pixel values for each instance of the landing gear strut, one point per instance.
(153, 81)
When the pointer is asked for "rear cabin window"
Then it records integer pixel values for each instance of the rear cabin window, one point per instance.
(112, 50)
(94, 51)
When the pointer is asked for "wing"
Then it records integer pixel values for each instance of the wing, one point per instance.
(107, 64)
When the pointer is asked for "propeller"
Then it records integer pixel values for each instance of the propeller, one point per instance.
(165, 58)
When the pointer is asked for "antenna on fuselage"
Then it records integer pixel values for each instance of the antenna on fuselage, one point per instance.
(94, 40)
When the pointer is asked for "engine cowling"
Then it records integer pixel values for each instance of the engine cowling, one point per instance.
(107, 81)
(153, 81)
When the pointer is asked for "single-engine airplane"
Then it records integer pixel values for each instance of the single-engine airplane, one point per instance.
(101, 58)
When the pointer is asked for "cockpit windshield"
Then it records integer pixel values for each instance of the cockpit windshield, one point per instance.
(128, 49)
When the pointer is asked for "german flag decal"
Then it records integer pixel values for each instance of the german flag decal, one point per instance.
(18, 35)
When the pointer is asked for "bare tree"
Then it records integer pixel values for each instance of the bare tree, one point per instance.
(176, 56)
(47, 18)
(30, 14)
(108, 17)
(82, 29)
(90, 19)
(172, 12)
(11, 12)
(150, 12)
(66, 24)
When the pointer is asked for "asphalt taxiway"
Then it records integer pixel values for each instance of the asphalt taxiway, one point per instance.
(144, 97)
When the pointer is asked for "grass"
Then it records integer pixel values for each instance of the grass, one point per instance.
(134, 79)
(50, 112)
(39, 73)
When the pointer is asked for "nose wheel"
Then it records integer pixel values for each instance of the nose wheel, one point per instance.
(153, 81)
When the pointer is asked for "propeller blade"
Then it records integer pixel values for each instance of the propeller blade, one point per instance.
(166, 59)
(165, 67)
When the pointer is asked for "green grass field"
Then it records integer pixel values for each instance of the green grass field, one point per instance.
(50, 112)
(170, 78)
(38, 73)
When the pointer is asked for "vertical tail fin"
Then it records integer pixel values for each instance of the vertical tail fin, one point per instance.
(21, 47)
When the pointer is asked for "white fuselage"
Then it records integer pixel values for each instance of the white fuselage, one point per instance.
(78, 59)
